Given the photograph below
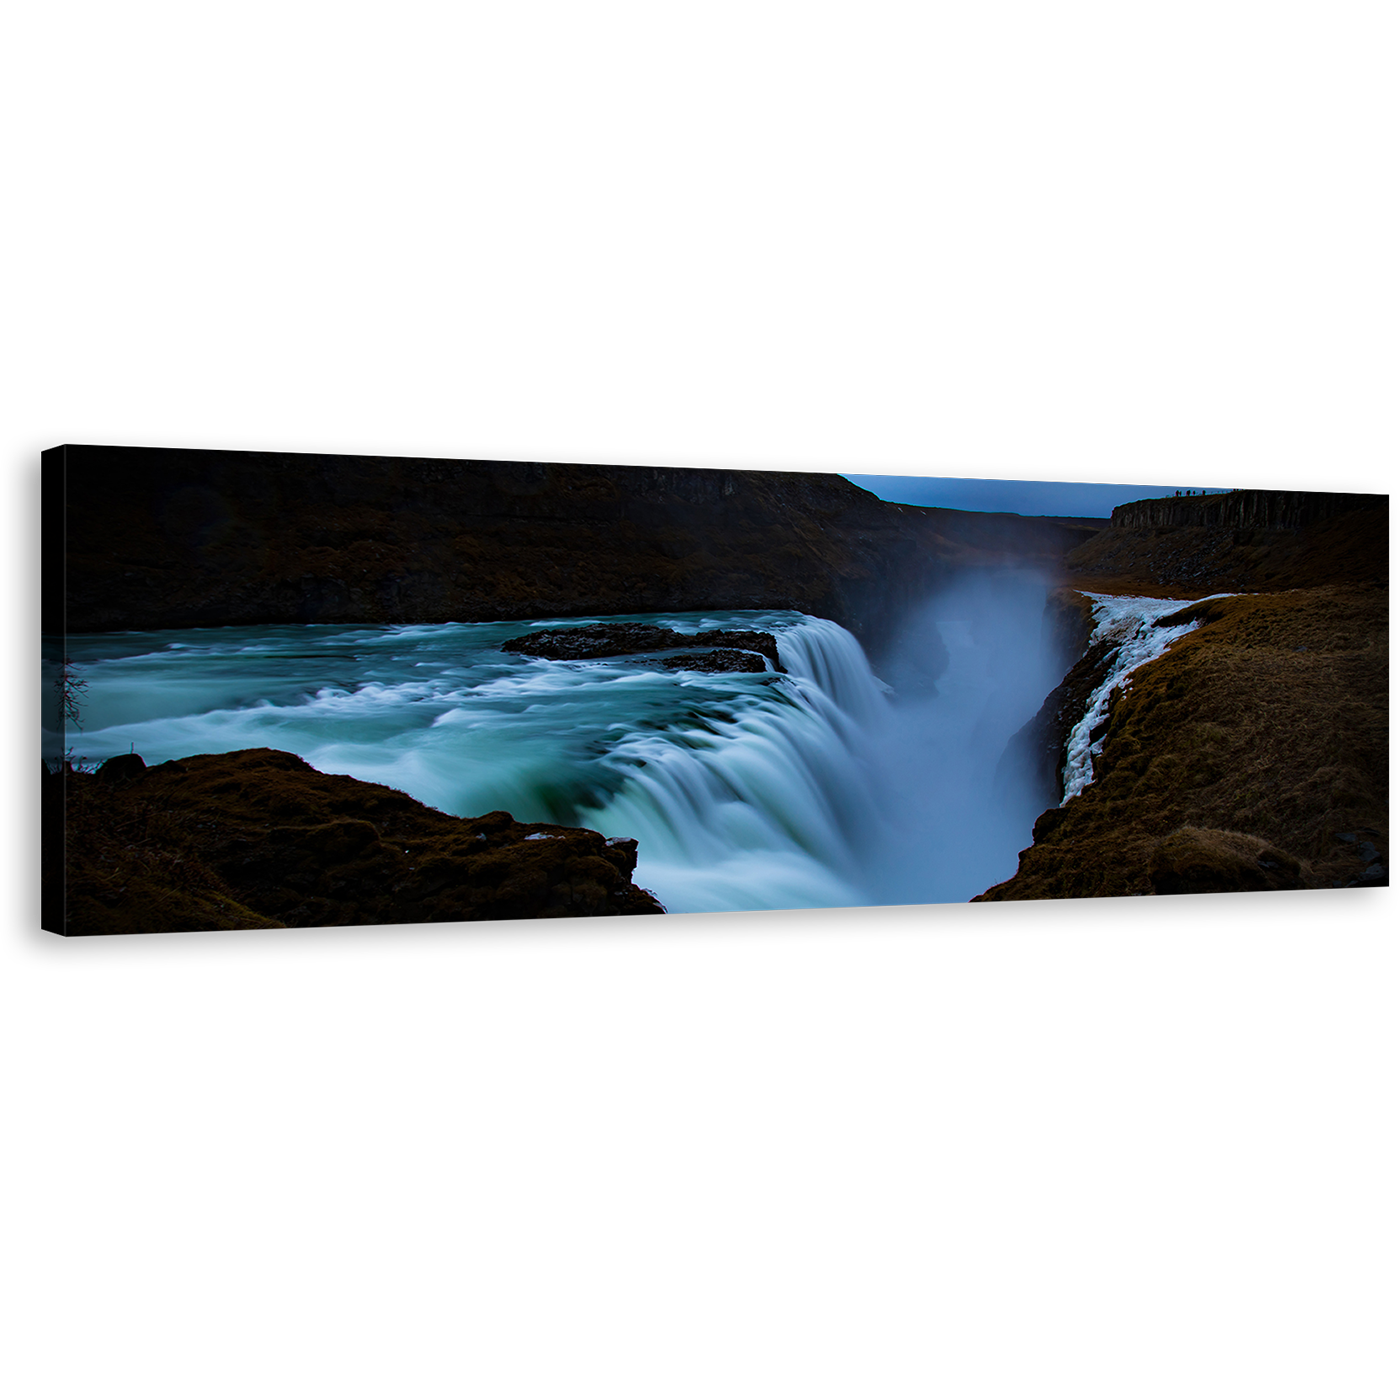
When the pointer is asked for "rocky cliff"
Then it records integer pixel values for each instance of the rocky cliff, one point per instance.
(163, 538)
(1037, 751)
(1252, 756)
(1247, 541)
(1239, 510)
(260, 839)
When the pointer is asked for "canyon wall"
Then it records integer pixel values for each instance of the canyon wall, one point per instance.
(1239, 510)
(160, 538)
(1254, 755)
(1247, 541)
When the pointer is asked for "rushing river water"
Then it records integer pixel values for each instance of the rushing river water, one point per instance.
(744, 791)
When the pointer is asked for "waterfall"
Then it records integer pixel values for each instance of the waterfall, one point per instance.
(814, 786)
(765, 811)
(844, 794)
(974, 665)
(827, 656)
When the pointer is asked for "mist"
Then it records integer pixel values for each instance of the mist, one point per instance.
(971, 667)
(814, 786)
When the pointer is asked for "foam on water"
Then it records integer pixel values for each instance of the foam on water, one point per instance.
(744, 790)
(753, 790)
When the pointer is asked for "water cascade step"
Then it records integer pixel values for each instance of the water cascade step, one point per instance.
(807, 786)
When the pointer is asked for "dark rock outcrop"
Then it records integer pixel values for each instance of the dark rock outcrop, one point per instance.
(1039, 748)
(714, 662)
(1068, 622)
(1240, 510)
(599, 640)
(1244, 542)
(1375, 870)
(259, 839)
(123, 768)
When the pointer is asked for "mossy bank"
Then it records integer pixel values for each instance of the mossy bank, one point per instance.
(1253, 755)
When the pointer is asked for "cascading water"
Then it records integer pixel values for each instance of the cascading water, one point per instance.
(974, 666)
(744, 790)
(767, 806)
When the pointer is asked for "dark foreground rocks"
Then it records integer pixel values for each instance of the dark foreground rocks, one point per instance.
(260, 839)
(716, 650)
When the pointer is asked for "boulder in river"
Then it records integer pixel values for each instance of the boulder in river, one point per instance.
(598, 640)
(714, 662)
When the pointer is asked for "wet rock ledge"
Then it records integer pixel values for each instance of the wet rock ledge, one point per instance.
(260, 839)
(716, 650)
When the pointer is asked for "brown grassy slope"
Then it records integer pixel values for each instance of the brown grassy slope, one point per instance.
(121, 861)
(259, 839)
(1268, 722)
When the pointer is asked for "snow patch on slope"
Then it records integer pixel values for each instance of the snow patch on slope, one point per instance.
(1130, 622)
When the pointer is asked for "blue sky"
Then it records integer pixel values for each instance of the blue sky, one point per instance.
(1022, 497)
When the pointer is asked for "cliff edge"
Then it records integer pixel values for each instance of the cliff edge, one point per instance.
(159, 538)
(1245, 541)
(260, 839)
(1239, 510)
(1253, 755)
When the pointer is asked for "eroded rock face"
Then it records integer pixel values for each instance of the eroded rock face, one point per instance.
(258, 839)
(1240, 510)
(596, 641)
(1040, 747)
(1272, 540)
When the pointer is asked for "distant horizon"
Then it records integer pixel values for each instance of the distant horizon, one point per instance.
(1087, 500)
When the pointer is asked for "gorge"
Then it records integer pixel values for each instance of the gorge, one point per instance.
(787, 692)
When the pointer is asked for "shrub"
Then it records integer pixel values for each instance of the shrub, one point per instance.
(70, 688)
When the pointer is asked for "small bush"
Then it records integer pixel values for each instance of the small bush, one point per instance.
(71, 687)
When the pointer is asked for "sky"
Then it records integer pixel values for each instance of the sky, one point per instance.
(1022, 497)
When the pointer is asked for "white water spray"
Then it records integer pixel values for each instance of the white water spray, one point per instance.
(745, 791)
(948, 829)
